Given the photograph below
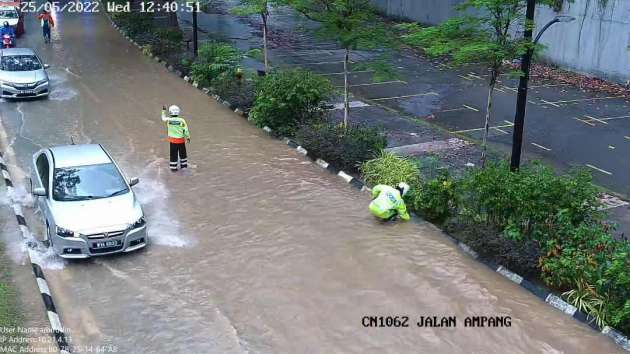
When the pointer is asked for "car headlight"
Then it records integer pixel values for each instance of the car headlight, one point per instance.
(139, 223)
(64, 232)
(41, 82)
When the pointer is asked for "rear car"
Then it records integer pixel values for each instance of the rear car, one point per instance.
(10, 12)
(22, 74)
(88, 206)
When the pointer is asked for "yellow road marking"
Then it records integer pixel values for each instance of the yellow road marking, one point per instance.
(478, 129)
(541, 147)
(599, 169)
(405, 96)
(584, 121)
(595, 119)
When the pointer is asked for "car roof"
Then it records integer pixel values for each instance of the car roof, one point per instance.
(79, 155)
(17, 51)
(7, 7)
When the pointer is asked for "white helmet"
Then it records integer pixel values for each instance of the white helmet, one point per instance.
(404, 188)
(173, 110)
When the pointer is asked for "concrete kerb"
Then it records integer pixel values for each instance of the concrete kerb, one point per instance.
(542, 293)
(54, 321)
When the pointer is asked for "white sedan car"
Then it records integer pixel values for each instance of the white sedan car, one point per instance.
(88, 207)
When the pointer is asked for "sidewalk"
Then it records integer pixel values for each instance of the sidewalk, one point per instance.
(429, 110)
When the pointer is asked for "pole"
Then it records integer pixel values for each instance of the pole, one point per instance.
(521, 101)
(195, 39)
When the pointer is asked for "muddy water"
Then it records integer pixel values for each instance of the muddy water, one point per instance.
(254, 249)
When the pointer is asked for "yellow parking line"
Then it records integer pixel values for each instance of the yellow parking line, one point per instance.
(541, 147)
(471, 108)
(550, 103)
(584, 121)
(595, 119)
(478, 129)
(405, 96)
(599, 169)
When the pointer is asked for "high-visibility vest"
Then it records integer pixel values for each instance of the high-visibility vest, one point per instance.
(177, 129)
(388, 202)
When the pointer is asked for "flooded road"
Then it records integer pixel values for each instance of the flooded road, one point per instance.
(254, 249)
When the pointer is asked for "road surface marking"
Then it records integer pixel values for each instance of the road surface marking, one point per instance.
(353, 104)
(510, 88)
(541, 147)
(471, 108)
(405, 96)
(550, 103)
(500, 130)
(613, 118)
(595, 119)
(452, 110)
(584, 121)
(465, 77)
(474, 75)
(627, 137)
(599, 169)
(321, 63)
(508, 122)
(478, 129)
(350, 72)
(380, 83)
(326, 52)
(611, 147)
(582, 99)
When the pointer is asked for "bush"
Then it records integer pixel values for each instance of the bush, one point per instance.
(287, 99)
(391, 169)
(214, 60)
(346, 148)
(168, 40)
(525, 203)
(436, 199)
(134, 23)
(237, 91)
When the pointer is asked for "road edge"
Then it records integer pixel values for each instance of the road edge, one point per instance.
(542, 293)
(57, 330)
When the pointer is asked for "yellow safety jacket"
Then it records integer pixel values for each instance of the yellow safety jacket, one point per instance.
(387, 203)
(177, 128)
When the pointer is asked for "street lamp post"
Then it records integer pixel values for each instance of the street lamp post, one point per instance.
(194, 30)
(521, 101)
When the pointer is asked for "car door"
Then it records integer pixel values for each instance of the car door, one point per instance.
(43, 167)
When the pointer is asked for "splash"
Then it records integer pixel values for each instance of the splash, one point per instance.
(60, 91)
(163, 228)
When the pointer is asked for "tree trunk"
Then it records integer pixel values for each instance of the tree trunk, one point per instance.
(264, 19)
(346, 101)
(484, 143)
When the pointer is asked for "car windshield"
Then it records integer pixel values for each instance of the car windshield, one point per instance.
(5, 14)
(88, 182)
(20, 63)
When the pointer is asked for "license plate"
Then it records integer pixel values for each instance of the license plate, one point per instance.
(106, 244)
(27, 92)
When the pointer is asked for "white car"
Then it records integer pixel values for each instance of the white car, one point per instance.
(22, 74)
(9, 14)
(88, 206)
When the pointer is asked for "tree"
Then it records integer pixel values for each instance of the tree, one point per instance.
(486, 39)
(352, 23)
(261, 8)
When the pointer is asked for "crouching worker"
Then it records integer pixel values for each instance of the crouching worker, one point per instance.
(387, 202)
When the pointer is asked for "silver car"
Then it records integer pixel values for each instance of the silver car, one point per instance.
(22, 74)
(88, 206)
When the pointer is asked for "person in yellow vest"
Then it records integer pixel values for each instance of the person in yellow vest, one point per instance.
(387, 202)
(178, 134)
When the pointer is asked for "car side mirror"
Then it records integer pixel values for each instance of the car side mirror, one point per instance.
(46, 66)
(39, 192)
(134, 181)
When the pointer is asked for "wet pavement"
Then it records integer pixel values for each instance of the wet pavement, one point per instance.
(254, 249)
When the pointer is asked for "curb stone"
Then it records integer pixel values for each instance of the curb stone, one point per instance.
(542, 293)
(54, 321)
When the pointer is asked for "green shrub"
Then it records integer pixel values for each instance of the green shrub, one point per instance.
(134, 23)
(391, 169)
(287, 99)
(525, 203)
(436, 199)
(345, 148)
(215, 59)
(168, 40)
(237, 91)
